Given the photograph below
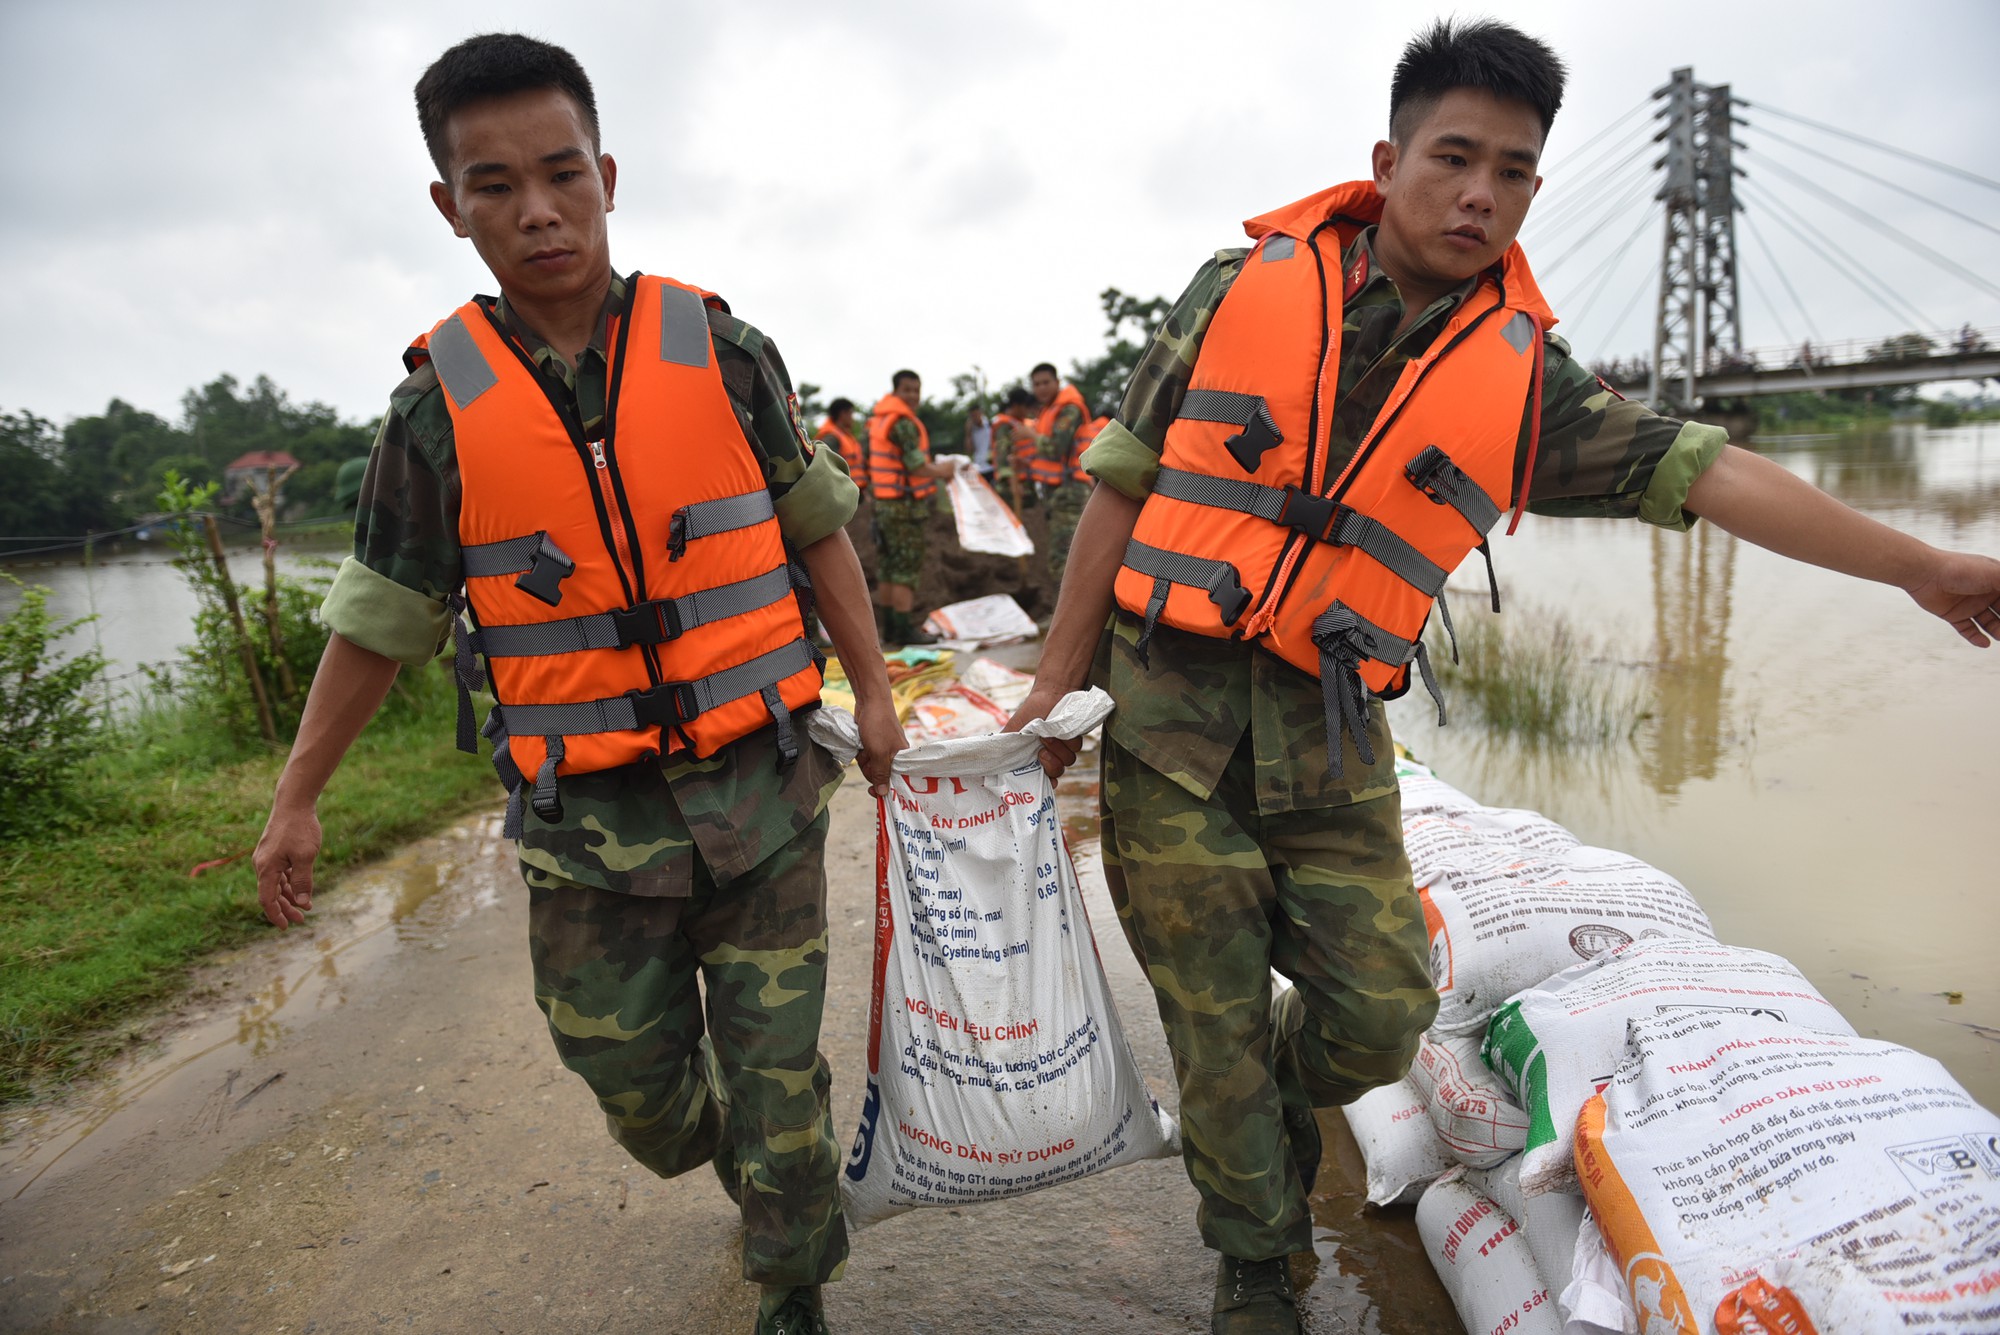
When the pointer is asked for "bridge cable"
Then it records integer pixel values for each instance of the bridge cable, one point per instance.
(1602, 166)
(1860, 274)
(1872, 143)
(1879, 180)
(1563, 220)
(1777, 316)
(1608, 267)
(1847, 265)
(1652, 276)
(1887, 229)
(1784, 278)
(1580, 196)
(1618, 209)
(1585, 146)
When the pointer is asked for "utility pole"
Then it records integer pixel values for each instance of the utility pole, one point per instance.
(1699, 316)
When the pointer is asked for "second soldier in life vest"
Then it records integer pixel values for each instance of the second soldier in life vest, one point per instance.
(1328, 422)
(902, 477)
(570, 462)
(837, 429)
(1062, 430)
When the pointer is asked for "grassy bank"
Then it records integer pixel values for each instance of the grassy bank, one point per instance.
(99, 922)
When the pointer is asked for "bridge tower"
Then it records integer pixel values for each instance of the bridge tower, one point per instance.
(1699, 319)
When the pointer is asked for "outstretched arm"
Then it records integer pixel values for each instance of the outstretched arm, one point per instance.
(349, 687)
(1760, 502)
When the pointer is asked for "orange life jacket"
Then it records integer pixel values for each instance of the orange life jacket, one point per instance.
(632, 594)
(850, 450)
(888, 479)
(1054, 472)
(1013, 442)
(1244, 538)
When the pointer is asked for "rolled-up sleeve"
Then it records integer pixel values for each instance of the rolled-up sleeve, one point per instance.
(1121, 460)
(385, 617)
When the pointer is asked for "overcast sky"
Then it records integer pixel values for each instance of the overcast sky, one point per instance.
(222, 187)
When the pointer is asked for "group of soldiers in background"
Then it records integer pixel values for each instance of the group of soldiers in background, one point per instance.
(1031, 450)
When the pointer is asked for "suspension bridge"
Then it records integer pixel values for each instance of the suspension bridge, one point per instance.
(1703, 160)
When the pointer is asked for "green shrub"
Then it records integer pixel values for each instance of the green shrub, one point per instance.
(48, 721)
(1531, 673)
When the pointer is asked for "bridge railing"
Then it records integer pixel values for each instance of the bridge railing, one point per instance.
(1912, 345)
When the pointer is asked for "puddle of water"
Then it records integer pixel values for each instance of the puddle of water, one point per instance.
(406, 902)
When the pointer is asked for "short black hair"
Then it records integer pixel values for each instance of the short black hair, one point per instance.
(839, 406)
(901, 376)
(494, 64)
(1483, 54)
(1050, 367)
(1018, 397)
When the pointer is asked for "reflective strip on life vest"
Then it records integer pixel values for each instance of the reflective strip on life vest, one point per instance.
(684, 332)
(669, 704)
(461, 367)
(654, 622)
(1320, 519)
(705, 519)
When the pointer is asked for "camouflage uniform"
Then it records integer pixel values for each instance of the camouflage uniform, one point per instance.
(664, 863)
(1230, 847)
(1065, 501)
(900, 523)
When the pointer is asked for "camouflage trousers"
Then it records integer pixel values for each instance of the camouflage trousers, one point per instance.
(900, 534)
(1213, 895)
(615, 975)
(1065, 508)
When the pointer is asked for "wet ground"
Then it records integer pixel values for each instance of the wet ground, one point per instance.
(364, 1126)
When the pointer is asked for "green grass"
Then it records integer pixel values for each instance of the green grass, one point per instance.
(1532, 674)
(102, 920)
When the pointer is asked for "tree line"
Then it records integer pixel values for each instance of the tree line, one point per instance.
(105, 472)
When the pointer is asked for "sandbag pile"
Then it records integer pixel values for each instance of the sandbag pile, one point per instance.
(1619, 1124)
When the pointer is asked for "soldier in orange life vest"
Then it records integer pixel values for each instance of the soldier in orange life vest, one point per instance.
(610, 473)
(1061, 428)
(902, 478)
(1325, 425)
(837, 427)
(1014, 442)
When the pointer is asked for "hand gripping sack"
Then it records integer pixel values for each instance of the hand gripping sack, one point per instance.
(996, 1063)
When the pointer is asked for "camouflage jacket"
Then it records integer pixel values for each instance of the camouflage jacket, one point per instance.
(631, 829)
(903, 434)
(1189, 710)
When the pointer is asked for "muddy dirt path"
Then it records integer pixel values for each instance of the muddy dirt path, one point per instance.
(364, 1126)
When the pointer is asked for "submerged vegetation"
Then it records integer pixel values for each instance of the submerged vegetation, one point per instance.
(1534, 675)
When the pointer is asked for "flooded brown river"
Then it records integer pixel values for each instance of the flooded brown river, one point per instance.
(1823, 766)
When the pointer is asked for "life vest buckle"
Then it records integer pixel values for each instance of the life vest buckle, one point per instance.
(1423, 470)
(547, 569)
(1315, 516)
(654, 622)
(1249, 446)
(668, 705)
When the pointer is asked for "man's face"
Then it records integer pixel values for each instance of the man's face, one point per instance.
(844, 419)
(1044, 387)
(527, 191)
(1455, 195)
(910, 390)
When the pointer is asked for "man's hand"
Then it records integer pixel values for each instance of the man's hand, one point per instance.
(942, 466)
(881, 738)
(1963, 589)
(1058, 753)
(284, 862)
